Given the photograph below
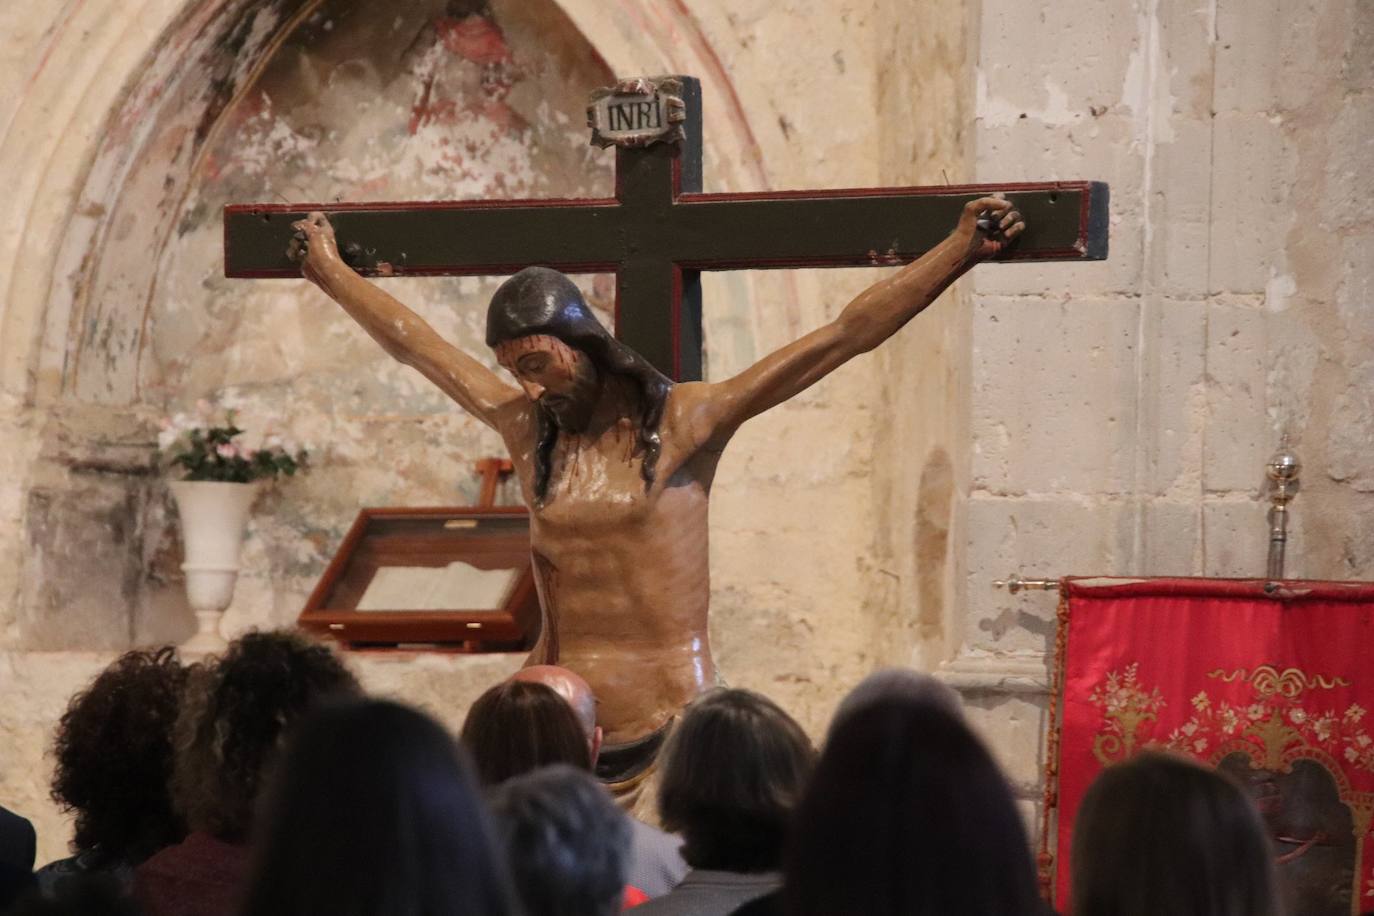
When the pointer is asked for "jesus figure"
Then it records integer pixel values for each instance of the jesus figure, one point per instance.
(615, 461)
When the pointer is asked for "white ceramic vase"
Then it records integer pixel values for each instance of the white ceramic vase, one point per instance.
(214, 516)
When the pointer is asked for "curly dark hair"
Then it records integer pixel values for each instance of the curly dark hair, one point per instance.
(114, 758)
(237, 709)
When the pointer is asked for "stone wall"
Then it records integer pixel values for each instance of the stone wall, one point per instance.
(1122, 413)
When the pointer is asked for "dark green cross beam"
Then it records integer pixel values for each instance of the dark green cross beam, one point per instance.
(659, 232)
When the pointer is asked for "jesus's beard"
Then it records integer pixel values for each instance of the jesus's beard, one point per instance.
(568, 414)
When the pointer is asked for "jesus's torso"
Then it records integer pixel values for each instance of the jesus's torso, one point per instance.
(623, 572)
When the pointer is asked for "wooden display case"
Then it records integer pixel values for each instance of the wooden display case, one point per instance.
(457, 579)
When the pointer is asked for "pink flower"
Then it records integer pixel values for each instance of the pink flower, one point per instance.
(227, 450)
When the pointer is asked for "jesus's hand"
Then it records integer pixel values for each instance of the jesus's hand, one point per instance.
(313, 246)
(987, 226)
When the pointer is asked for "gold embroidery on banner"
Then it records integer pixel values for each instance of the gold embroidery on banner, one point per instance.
(1126, 706)
(1268, 680)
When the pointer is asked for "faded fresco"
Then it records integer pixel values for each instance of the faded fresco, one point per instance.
(438, 101)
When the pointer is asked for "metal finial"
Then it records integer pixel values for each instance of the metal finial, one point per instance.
(1284, 471)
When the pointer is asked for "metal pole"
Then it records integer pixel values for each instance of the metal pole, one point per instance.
(1283, 471)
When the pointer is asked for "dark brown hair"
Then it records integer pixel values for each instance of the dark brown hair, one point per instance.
(732, 772)
(237, 709)
(1160, 834)
(539, 300)
(908, 815)
(518, 726)
(114, 759)
(374, 811)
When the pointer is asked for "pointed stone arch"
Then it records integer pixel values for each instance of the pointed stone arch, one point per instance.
(121, 106)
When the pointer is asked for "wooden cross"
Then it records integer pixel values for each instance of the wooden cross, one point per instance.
(659, 231)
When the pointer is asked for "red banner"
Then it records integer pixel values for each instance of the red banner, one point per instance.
(1272, 683)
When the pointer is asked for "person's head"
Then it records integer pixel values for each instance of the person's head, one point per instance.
(114, 758)
(732, 773)
(908, 814)
(236, 712)
(517, 726)
(373, 809)
(577, 692)
(898, 684)
(567, 842)
(1160, 834)
(542, 331)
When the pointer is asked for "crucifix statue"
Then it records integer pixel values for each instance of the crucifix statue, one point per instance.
(615, 440)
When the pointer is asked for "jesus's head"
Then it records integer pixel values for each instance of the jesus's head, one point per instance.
(544, 334)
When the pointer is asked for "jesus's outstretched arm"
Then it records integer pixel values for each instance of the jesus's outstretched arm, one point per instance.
(401, 332)
(985, 227)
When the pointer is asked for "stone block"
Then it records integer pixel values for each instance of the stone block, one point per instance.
(1315, 38)
(163, 616)
(1254, 171)
(1102, 148)
(1081, 53)
(1295, 358)
(1014, 728)
(1357, 63)
(1066, 536)
(1314, 524)
(1349, 178)
(1333, 532)
(1235, 537)
(1185, 63)
(1238, 439)
(1281, 55)
(1171, 538)
(81, 573)
(1350, 435)
(1355, 291)
(1249, 35)
(1179, 217)
(1054, 394)
(1172, 396)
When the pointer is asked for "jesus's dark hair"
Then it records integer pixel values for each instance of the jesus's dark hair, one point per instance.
(539, 300)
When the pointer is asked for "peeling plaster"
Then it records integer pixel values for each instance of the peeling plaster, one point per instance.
(994, 111)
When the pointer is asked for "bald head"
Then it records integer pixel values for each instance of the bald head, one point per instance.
(570, 686)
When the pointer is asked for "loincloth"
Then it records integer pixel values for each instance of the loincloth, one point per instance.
(628, 770)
